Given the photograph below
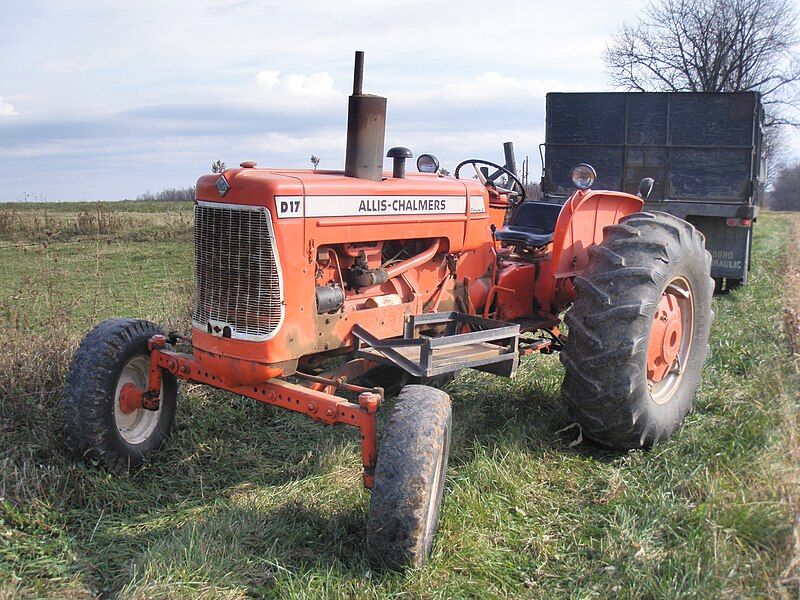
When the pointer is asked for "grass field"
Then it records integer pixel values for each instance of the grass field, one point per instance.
(248, 501)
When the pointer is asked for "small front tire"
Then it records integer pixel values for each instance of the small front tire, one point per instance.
(409, 479)
(97, 428)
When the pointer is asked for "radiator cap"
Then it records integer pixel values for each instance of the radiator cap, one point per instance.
(248, 164)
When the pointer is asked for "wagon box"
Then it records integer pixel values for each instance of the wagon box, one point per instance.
(702, 150)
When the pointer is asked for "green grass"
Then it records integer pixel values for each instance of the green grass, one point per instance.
(250, 501)
(83, 282)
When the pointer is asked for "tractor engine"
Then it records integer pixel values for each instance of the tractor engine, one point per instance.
(287, 262)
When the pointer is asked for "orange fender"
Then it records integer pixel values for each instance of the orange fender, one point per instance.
(580, 226)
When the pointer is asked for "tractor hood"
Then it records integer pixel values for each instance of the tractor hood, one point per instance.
(305, 193)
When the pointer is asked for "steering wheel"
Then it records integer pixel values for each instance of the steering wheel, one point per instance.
(512, 186)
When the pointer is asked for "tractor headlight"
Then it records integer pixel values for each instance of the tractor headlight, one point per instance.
(427, 163)
(583, 176)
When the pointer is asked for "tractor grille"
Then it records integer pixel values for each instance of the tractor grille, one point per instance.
(237, 276)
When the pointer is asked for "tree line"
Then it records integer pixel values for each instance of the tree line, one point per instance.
(169, 195)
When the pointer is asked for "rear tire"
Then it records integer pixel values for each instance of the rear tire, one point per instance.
(409, 479)
(112, 354)
(610, 386)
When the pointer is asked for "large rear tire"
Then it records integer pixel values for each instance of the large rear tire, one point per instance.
(638, 331)
(409, 479)
(97, 425)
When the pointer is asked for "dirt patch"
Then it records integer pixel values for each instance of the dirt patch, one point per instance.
(792, 309)
(791, 326)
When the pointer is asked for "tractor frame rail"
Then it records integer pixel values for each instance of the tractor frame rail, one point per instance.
(315, 400)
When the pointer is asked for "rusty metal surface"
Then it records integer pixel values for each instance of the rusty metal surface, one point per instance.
(366, 129)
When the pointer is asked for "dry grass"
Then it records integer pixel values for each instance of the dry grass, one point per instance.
(791, 326)
(35, 223)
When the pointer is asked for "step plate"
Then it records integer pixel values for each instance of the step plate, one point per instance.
(492, 348)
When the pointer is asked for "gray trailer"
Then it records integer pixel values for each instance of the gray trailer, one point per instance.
(703, 150)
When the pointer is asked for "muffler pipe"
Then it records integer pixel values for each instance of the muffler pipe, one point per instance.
(366, 129)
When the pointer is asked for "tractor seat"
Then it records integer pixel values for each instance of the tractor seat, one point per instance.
(531, 224)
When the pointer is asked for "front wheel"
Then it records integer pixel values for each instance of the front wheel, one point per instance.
(99, 425)
(409, 479)
(638, 331)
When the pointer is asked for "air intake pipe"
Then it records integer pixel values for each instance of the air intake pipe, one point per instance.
(366, 129)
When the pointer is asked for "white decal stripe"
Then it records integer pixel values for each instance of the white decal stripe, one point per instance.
(365, 206)
(477, 204)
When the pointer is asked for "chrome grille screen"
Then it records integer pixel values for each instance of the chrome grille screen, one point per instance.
(239, 292)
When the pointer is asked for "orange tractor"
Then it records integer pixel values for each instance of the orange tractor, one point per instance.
(316, 291)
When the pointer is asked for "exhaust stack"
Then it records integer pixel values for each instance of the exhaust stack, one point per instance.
(366, 128)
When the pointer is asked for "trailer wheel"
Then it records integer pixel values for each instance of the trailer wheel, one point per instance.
(98, 426)
(409, 479)
(638, 331)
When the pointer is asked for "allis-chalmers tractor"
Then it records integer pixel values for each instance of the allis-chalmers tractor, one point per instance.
(316, 291)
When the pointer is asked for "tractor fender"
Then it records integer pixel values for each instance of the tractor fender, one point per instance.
(579, 226)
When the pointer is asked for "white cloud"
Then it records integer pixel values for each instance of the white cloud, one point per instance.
(316, 85)
(6, 109)
(493, 84)
(492, 92)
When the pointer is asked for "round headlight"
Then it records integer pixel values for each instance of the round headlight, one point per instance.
(427, 163)
(583, 176)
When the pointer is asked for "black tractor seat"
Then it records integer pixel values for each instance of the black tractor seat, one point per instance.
(532, 224)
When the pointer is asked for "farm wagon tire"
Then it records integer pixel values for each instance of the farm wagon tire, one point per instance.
(409, 479)
(113, 353)
(611, 385)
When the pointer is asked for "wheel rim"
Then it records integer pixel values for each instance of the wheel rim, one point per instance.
(436, 494)
(135, 426)
(670, 339)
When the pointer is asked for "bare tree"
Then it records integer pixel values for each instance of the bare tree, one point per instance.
(776, 151)
(315, 160)
(713, 46)
(785, 194)
(218, 166)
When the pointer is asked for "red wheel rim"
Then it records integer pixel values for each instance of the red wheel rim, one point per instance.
(130, 398)
(670, 339)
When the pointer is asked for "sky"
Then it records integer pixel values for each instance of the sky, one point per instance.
(106, 100)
